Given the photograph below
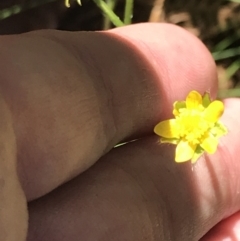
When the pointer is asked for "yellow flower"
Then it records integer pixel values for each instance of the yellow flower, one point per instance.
(196, 127)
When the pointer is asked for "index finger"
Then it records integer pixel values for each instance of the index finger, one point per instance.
(73, 96)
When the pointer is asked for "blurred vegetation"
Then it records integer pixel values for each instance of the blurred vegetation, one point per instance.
(229, 49)
(19, 8)
(224, 44)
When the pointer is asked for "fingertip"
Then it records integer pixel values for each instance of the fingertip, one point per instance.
(231, 119)
(227, 230)
(181, 61)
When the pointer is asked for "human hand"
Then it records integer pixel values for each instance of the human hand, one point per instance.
(68, 98)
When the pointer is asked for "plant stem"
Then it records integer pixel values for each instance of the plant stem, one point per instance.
(67, 4)
(109, 12)
(107, 21)
(128, 13)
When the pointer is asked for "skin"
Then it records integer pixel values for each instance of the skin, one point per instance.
(68, 98)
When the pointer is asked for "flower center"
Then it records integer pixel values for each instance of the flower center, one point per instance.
(193, 126)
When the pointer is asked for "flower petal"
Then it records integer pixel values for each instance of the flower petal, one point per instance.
(184, 151)
(209, 144)
(193, 100)
(167, 129)
(214, 111)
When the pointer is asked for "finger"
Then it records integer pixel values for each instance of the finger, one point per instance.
(138, 192)
(13, 207)
(227, 230)
(73, 96)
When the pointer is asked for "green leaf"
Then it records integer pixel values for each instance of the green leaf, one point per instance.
(228, 53)
(197, 154)
(178, 105)
(206, 99)
(219, 129)
(233, 68)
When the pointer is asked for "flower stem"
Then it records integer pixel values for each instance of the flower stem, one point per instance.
(109, 12)
(128, 13)
(107, 21)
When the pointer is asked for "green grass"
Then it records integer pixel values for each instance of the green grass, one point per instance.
(19, 8)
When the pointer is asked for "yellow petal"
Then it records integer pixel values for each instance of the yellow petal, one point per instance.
(184, 151)
(214, 111)
(193, 100)
(167, 129)
(209, 144)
